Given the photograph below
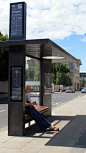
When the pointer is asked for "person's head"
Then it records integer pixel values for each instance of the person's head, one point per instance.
(27, 89)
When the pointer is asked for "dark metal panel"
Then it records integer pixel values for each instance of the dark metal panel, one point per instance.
(16, 110)
(16, 55)
(15, 123)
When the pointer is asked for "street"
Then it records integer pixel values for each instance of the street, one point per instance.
(58, 98)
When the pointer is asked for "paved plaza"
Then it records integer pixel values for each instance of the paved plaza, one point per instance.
(69, 117)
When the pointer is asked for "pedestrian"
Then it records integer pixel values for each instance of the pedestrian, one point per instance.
(42, 123)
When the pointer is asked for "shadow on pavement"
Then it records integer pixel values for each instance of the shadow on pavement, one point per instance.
(72, 131)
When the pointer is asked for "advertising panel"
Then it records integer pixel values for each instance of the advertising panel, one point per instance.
(16, 84)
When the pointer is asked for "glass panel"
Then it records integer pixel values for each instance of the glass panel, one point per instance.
(32, 78)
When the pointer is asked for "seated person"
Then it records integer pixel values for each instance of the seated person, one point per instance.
(42, 123)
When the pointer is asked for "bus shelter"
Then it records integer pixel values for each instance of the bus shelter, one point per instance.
(47, 52)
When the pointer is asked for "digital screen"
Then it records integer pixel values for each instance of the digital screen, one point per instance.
(16, 19)
(16, 84)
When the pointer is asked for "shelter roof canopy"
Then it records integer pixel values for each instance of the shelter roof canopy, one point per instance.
(39, 48)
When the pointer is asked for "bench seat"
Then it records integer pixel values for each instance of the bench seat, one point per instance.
(40, 109)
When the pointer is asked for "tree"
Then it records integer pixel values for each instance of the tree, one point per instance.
(4, 58)
(61, 74)
(33, 74)
(3, 37)
(29, 74)
(37, 73)
(82, 82)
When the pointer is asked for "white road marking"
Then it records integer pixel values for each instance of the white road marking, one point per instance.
(56, 103)
(2, 110)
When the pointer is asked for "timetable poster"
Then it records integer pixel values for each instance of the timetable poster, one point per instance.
(16, 19)
(16, 86)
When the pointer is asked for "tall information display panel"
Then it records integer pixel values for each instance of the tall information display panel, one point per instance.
(16, 98)
(17, 29)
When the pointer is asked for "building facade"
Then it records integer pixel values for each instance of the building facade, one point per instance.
(75, 74)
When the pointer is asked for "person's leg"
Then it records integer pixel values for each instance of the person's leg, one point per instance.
(42, 123)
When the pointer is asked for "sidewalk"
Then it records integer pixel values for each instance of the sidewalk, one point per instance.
(69, 117)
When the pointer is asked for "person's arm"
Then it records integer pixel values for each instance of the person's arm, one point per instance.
(33, 103)
(28, 104)
(29, 100)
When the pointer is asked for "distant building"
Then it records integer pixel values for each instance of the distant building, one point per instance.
(75, 74)
(83, 75)
(32, 63)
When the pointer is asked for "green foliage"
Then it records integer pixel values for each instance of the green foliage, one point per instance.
(4, 58)
(62, 67)
(29, 74)
(68, 79)
(52, 77)
(82, 82)
(61, 74)
(26, 74)
(3, 37)
(32, 75)
(37, 73)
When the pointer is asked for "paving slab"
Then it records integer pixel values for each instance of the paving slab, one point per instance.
(17, 145)
(66, 135)
(4, 138)
(81, 141)
(6, 150)
(79, 119)
(54, 149)
(73, 128)
(62, 142)
(77, 150)
(29, 149)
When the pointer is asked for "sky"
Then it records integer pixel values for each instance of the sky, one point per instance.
(62, 21)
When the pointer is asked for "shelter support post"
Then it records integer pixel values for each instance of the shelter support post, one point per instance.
(16, 99)
(45, 78)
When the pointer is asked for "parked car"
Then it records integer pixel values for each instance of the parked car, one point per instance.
(70, 89)
(83, 90)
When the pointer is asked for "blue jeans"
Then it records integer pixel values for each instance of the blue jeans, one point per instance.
(42, 123)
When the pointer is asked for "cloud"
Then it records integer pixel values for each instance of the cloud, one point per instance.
(49, 18)
(83, 69)
(84, 39)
